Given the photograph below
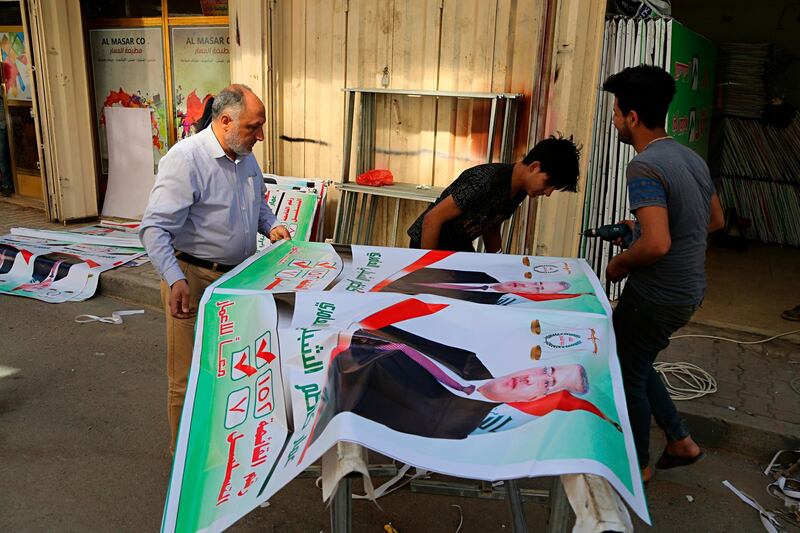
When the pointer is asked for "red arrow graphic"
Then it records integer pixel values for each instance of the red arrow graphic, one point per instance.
(263, 353)
(241, 366)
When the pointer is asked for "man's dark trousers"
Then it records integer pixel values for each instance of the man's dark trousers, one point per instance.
(642, 331)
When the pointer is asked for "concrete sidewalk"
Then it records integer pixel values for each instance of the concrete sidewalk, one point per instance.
(755, 410)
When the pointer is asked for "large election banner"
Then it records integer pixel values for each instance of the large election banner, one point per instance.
(59, 266)
(565, 284)
(290, 358)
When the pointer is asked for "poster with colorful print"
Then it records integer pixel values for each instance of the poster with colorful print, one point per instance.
(289, 266)
(567, 284)
(297, 204)
(16, 65)
(466, 389)
(445, 385)
(106, 233)
(235, 422)
(201, 67)
(56, 271)
(295, 209)
(128, 70)
(239, 421)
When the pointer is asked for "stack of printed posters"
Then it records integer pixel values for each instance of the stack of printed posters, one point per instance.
(60, 266)
(481, 366)
(298, 203)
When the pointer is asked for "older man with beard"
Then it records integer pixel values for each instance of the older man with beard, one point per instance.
(201, 221)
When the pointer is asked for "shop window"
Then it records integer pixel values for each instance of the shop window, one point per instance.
(200, 68)
(103, 9)
(23, 131)
(169, 61)
(10, 14)
(193, 8)
(16, 70)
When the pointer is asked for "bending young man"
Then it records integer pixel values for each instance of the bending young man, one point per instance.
(482, 197)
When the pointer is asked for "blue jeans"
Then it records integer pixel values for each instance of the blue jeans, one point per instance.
(642, 331)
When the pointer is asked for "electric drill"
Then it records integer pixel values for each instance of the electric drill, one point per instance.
(611, 232)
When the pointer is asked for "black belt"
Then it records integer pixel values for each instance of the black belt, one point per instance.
(202, 263)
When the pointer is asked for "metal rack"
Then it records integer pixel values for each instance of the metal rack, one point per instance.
(346, 230)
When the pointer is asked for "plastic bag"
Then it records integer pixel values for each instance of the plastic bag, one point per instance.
(376, 178)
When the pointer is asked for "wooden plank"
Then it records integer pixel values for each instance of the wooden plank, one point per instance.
(415, 47)
(614, 147)
(578, 44)
(485, 45)
(466, 59)
(325, 35)
(64, 107)
(248, 57)
(369, 56)
(516, 60)
(369, 52)
(595, 152)
(414, 61)
(29, 185)
(289, 19)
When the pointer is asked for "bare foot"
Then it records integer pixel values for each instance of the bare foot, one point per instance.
(682, 452)
(685, 448)
(647, 474)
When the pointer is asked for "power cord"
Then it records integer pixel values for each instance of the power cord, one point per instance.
(693, 381)
(734, 340)
(696, 381)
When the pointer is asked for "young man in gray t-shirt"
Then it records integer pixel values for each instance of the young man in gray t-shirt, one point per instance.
(675, 204)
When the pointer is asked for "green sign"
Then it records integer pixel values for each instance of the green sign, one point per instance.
(289, 266)
(692, 65)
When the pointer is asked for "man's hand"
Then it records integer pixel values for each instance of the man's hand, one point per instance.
(616, 271)
(621, 240)
(179, 300)
(654, 243)
(492, 240)
(279, 232)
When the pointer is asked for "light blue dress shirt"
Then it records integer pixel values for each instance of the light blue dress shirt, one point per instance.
(204, 204)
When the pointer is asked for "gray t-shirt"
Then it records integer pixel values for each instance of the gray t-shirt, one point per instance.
(670, 175)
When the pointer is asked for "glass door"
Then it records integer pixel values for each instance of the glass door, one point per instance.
(168, 56)
(20, 172)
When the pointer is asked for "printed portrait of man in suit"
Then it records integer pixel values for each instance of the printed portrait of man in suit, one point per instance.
(423, 277)
(422, 387)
